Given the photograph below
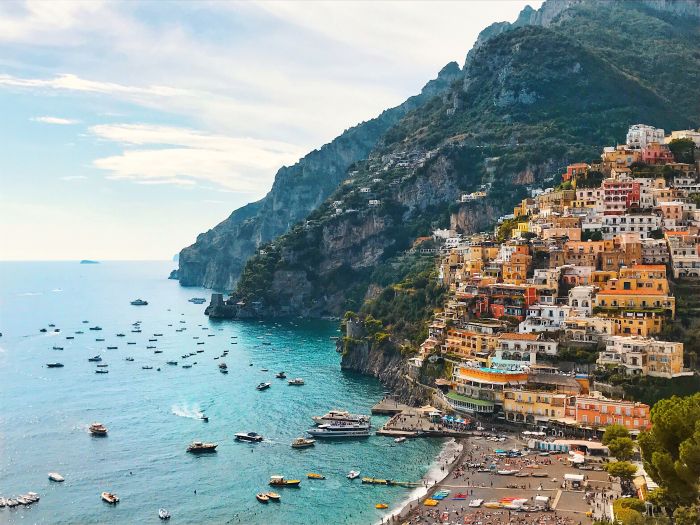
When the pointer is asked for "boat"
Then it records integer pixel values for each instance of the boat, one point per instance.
(339, 431)
(264, 370)
(95, 359)
(157, 351)
(56, 330)
(70, 337)
(136, 331)
(98, 429)
(200, 342)
(381, 506)
(171, 363)
(281, 375)
(54, 365)
(131, 343)
(249, 436)
(204, 417)
(147, 368)
(79, 332)
(262, 498)
(58, 348)
(273, 496)
(110, 498)
(43, 330)
(52, 325)
(263, 386)
(157, 335)
(129, 359)
(302, 442)
(279, 481)
(198, 300)
(152, 340)
(163, 514)
(96, 328)
(353, 474)
(507, 472)
(476, 503)
(198, 447)
(86, 322)
(101, 371)
(297, 381)
(119, 335)
(32, 496)
(150, 347)
(223, 371)
(55, 476)
(313, 475)
(11, 502)
(99, 340)
(111, 348)
(340, 416)
(186, 366)
(139, 302)
(400, 439)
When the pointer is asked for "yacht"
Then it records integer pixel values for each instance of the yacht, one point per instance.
(340, 416)
(110, 498)
(263, 386)
(98, 429)
(198, 447)
(139, 302)
(297, 381)
(249, 436)
(339, 431)
(302, 442)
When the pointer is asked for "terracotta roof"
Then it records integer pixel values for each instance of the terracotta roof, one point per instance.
(519, 337)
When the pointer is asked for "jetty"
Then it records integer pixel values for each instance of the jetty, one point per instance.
(410, 422)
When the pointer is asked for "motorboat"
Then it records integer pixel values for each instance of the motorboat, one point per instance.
(101, 371)
(297, 381)
(58, 348)
(204, 417)
(70, 337)
(52, 325)
(96, 328)
(98, 429)
(147, 368)
(139, 302)
(33, 497)
(150, 347)
(314, 475)
(121, 335)
(340, 416)
(129, 359)
(152, 340)
(186, 366)
(131, 343)
(11, 502)
(302, 442)
(263, 386)
(279, 481)
(163, 514)
(79, 332)
(353, 474)
(54, 365)
(400, 439)
(95, 359)
(174, 363)
(273, 496)
(249, 436)
(381, 506)
(199, 447)
(99, 340)
(111, 348)
(200, 342)
(197, 300)
(476, 503)
(157, 335)
(157, 351)
(223, 371)
(262, 498)
(43, 330)
(55, 476)
(281, 375)
(110, 498)
(507, 472)
(264, 370)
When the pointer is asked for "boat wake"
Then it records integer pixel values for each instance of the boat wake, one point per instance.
(192, 412)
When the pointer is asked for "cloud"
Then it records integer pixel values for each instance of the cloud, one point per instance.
(184, 157)
(74, 177)
(56, 120)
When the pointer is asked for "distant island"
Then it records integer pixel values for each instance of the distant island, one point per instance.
(88, 261)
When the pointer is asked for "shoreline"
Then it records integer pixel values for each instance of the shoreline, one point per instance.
(453, 453)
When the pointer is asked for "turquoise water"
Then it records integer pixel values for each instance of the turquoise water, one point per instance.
(44, 413)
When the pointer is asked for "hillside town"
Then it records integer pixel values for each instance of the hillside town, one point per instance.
(589, 264)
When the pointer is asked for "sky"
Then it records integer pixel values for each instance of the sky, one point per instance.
(127, 128)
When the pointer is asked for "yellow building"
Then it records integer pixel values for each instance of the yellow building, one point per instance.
(637, 300)
(534, 406)
(469, 344)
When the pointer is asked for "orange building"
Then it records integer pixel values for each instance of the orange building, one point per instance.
(575, 171)
(515, 270)
(598, 412)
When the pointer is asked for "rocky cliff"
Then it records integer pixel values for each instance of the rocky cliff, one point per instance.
(216, 259)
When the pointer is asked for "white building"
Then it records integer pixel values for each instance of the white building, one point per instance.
(544, 318)
(685, 134)
(639, 135)
(641, 223)
(581, 300)
(643, 355)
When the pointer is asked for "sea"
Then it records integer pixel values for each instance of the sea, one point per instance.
(153, 415)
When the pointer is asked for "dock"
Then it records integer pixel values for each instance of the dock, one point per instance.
(411, 422)
(389, 407)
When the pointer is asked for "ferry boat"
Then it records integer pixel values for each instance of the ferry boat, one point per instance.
(339, 431)
(253, 437)
(110, 498)
(55, 476)
(279, 481)
(54, 365)
(139, 302)
(263, 386)
(302, 442)
(297, 381)
(98, 429)
(198, 447)
(340, 416)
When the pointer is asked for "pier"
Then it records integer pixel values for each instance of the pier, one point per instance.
(409, 421)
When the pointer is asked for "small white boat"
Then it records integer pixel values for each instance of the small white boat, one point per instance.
(476, 503)
(354, 474)
(507, 472)
(163, 514)
(55, 476)
(400, 439)
(297, 381)
(110, 498)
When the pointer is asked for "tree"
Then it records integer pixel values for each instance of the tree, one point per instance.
(683, 150)
(686, 516)
(621, 469)
(621, 448)
(671, 449)
(614, 432)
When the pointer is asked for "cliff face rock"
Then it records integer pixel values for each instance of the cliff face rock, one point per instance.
(216, 259)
